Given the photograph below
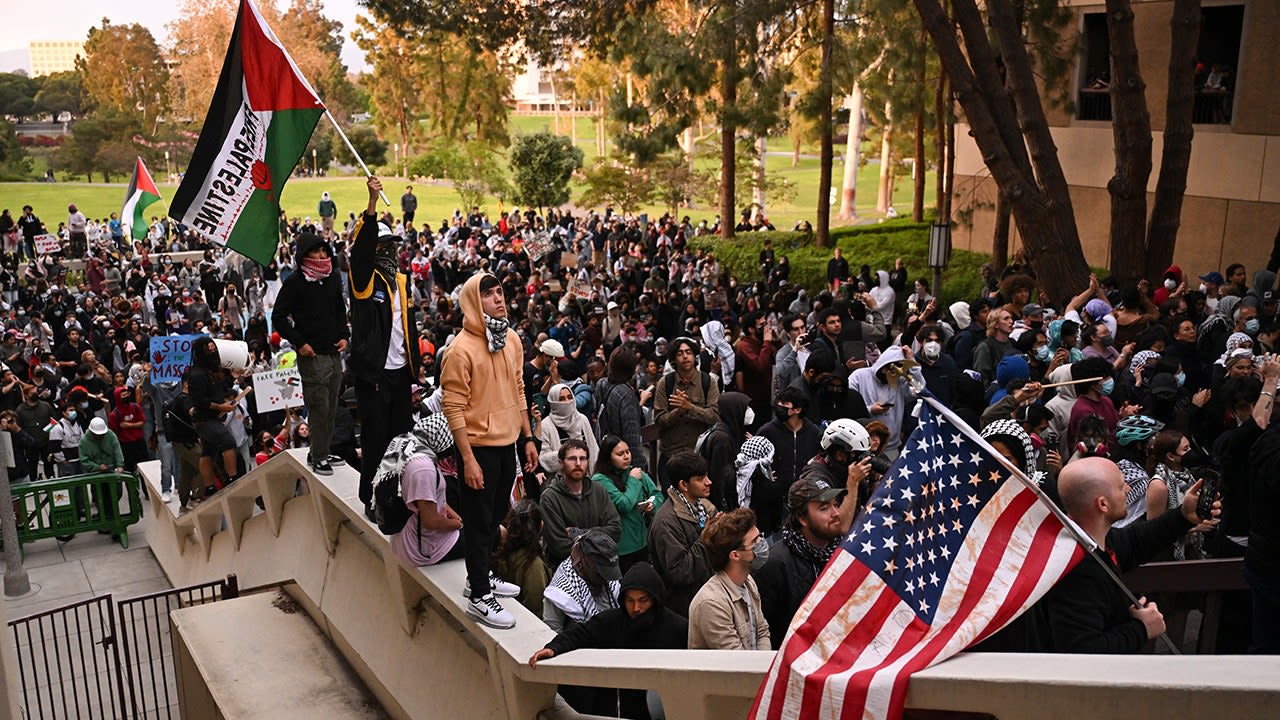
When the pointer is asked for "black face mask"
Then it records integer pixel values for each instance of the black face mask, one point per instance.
(781, 414)
(1036, 324)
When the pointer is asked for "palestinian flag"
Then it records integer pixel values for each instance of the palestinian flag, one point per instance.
(262, 116)
(142, 193)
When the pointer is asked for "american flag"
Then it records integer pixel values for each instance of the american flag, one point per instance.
(950, 548)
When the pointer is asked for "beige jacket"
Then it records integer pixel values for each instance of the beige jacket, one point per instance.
(719, 618)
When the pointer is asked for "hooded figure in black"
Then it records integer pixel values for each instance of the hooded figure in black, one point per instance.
(642, 623)
(721, 447)
(384, 359)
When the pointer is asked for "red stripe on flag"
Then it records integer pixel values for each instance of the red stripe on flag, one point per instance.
(867, 629)
(858, 685)
(270, 79)
(144, 181)
(1046, 539)
(979, 580)
(802, 637)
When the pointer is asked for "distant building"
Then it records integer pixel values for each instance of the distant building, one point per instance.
(1232, 204)
(53, 56)
(534, 91)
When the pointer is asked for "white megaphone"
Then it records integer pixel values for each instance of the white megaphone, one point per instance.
(233, 354)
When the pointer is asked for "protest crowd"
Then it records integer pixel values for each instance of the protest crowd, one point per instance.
(644, 451)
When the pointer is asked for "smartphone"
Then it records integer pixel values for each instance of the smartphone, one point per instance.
(1208, 492)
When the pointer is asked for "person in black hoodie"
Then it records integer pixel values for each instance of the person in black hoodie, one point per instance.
(310, 314)
(642, 623)
(721, 446)
(381, 312)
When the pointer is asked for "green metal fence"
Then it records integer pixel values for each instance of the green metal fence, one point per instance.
(64, 507)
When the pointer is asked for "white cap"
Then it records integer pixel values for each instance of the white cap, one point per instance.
(98, 426)
(552, 348)
(613, 305)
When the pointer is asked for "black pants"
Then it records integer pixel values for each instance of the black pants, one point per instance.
(385, 411)
(482, 510)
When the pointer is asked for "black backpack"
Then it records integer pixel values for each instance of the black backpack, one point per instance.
(177, 420)
(389, 509)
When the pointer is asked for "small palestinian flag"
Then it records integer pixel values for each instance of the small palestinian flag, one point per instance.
(261, 118)
(142, 193)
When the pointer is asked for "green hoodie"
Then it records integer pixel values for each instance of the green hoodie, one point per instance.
(635, 534)
(98, 450)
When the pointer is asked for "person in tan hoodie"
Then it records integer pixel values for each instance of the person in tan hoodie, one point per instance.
(481, 375)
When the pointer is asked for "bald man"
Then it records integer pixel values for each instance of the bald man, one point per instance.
(1086, 612)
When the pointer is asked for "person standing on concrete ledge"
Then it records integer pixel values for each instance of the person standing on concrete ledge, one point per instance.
(481, 375)
(310, 314)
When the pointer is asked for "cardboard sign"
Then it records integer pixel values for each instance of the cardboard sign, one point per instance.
(568, 259)
(170, 355)
(579, 290)
(277, 389)
(538, 245)
(717, 299)
(48, 244)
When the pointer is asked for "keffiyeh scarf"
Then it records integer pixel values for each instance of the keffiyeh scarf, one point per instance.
(569, 592)
(794, 539)
(495, 329)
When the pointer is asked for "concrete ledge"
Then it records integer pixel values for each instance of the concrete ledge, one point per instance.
(392, 623)
(276, 663)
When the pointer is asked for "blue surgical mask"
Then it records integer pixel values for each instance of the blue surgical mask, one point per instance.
(1044, 354)
(1181, 378)
(1252, 326)
(1108, 385)
(71, 415)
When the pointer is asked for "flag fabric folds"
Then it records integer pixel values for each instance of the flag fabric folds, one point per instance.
(142, 193)
(258, 126)
(949, 549)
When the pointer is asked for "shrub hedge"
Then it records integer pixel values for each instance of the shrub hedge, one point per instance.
(875, 245)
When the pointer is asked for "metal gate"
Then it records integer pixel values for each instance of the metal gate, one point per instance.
(103, 659)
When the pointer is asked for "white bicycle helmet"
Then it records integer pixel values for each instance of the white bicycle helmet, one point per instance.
(846, 434)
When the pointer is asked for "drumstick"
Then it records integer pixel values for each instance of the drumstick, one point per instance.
(1071, 382)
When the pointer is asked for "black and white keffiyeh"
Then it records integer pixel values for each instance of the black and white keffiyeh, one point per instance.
(430, 436)
(495, 329)
(571, 593)
(755, 456)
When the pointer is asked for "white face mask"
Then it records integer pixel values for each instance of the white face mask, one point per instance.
(1170, 285)
(932, 349)
(750, 417)
(1202, 287)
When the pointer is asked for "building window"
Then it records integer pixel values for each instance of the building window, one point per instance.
(1218, 60)
(1094, 99)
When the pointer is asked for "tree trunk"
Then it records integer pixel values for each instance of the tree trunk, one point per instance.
(826, 92)
(1040, 202)
(728, 129)
(942, 122)
(852, 157)
(795, 152)
(602, 141)
(1166, 209)
(690, 146)
(573, 121)
(555, 107)
(758, 179)
(884, 192)
(1000, 239)
(917, 195)
(1131, 127)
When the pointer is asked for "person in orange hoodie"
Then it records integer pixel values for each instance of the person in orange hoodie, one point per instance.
(483, 399)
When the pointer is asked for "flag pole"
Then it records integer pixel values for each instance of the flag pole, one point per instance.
(354, 154)
(1031, 485)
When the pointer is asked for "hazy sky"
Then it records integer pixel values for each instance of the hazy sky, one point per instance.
(71, 19)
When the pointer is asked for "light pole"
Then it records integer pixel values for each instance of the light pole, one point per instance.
(315, 169)
(167, 172)
(396, 150)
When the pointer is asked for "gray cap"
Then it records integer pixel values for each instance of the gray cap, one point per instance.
(603, 552)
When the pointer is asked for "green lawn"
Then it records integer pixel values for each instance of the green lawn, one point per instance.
(439, 201)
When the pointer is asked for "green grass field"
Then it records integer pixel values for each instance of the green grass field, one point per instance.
(437, 202)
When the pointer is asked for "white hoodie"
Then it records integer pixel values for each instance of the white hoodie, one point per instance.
(884, 296)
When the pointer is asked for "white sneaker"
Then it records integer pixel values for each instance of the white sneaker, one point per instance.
(497, 586)
(166, 497)
(489, 611)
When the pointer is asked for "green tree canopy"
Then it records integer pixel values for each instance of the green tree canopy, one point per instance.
(125, 71)
(541, 166)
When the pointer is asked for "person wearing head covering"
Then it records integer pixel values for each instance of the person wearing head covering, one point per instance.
(886, 390)
(715, 342)
(310, 315)
(327, 210)
(100, 453)
(384, 359)
(644, 622)
(585, 583)
(721, 446)
(432, 532)
(563, 422)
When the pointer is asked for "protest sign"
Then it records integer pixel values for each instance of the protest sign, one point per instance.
(538, 245)
(568, 259)
(170, 355)
(48, 244)
(277, 389)
(579, 290)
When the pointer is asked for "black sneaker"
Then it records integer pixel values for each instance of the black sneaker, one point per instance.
(336, 461)
(320, 467)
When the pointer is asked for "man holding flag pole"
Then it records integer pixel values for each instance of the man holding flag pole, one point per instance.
(955, 544)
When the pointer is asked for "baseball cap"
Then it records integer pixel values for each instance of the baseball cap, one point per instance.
(552, 348)
(1214, 277)
(602, 551)
(98, 426)
(1164, 386)
(1032, 309)
(803, 492)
